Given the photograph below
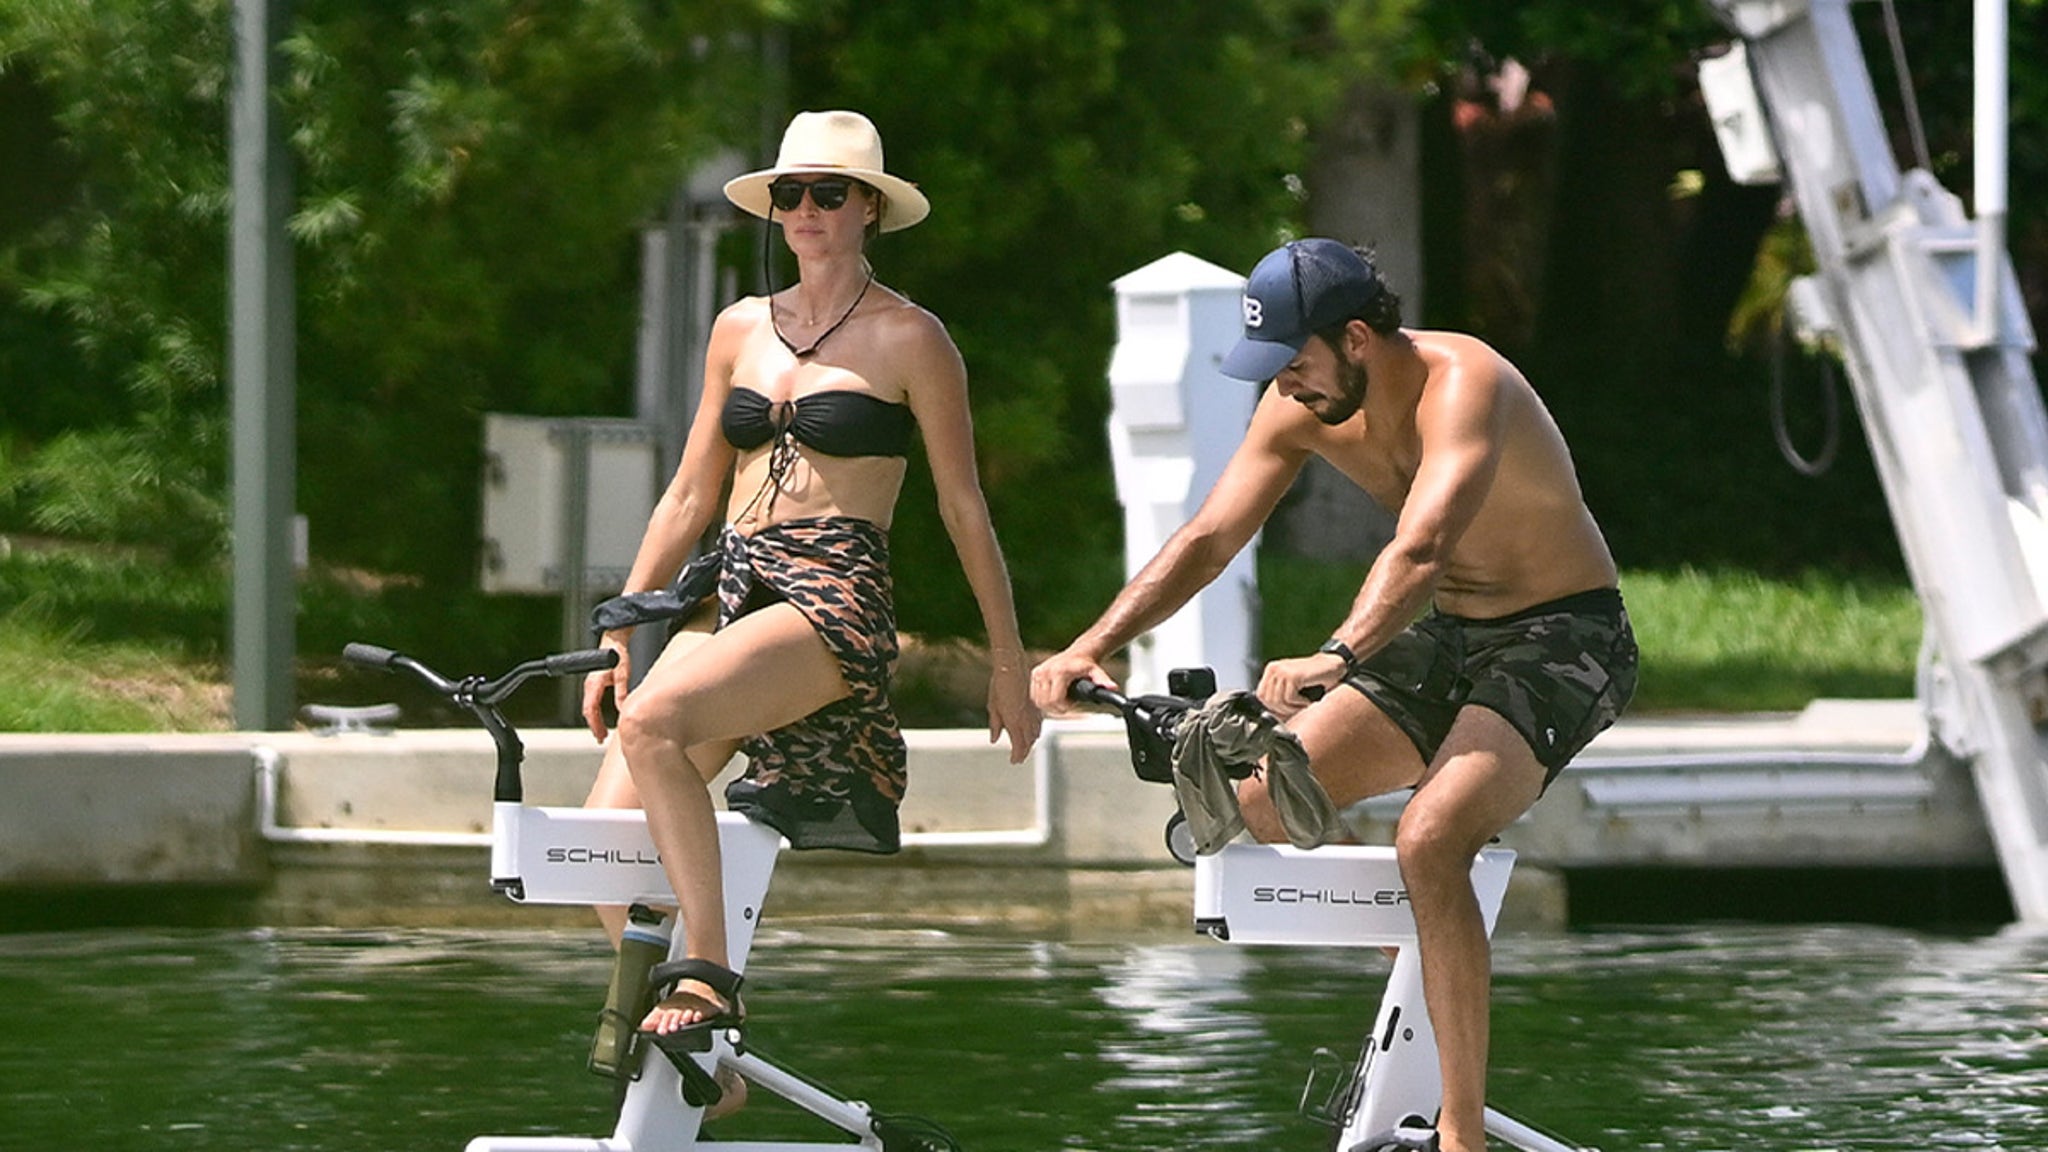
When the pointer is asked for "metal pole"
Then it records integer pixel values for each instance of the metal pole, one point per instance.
(654, 385)
(654, 392)
(1990, 169)
(262, 359)
(576, 442)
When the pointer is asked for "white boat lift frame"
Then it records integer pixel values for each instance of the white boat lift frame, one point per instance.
(1926, 312)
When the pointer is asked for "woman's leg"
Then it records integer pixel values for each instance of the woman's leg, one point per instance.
(762, 671)
(613, 787)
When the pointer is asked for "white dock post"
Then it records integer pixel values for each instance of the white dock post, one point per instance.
(1174, 422)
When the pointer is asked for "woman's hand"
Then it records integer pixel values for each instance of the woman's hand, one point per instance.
(616, 678)
(1288, 686)
(1010, 709)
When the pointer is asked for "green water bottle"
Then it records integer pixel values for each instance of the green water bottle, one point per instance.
(642, 945)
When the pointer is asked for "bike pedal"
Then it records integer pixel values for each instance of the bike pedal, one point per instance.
(1413, 1135)
(699, 1089)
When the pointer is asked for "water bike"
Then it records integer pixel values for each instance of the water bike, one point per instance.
(1386, 1099)
(543, 855)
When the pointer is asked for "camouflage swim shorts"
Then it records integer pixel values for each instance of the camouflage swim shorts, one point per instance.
(1560, 672)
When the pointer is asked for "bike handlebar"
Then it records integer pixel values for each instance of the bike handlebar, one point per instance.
(1152, 723)
(481, 696)
(1090, 692)
(369, 655)
(1149, 725)
(473, 690)
(587, 660)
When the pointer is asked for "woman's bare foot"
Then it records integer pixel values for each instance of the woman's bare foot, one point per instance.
(735, 1097)
(690, 1002)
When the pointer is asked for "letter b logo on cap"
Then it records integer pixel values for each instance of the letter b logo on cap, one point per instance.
(1254, 312)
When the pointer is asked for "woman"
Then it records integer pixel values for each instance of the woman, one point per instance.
(810, 397)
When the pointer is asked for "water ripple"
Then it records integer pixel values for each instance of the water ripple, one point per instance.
(1801, 1039)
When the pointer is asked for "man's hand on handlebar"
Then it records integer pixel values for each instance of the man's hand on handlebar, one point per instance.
(616, 678)
(1288, 686)
(1053, 676)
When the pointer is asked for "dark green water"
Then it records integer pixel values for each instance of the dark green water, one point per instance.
(1798, 1039)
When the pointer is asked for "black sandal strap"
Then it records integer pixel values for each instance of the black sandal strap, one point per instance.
(664, 976)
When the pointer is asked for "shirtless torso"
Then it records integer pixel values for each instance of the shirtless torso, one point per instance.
(1449, 437)
(1530, 538)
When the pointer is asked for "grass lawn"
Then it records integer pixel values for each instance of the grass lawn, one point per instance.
(1735, 641)
(1716, 641)
(54, 680)
(102, 641)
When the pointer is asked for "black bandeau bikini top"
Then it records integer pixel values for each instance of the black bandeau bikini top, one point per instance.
(836, 421)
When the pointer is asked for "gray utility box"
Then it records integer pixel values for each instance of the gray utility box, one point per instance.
(562, 494)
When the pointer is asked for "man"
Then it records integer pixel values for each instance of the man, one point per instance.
(1525, 651)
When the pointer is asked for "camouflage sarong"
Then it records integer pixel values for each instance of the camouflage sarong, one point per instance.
(834, 778)
(1560, 672)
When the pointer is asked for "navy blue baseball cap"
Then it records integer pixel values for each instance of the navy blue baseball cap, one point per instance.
(1298, 289)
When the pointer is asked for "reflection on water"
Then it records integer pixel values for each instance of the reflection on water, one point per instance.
(1726, 1038)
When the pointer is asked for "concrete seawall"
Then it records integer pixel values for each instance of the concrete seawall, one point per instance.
(364, 830)
(115, 810)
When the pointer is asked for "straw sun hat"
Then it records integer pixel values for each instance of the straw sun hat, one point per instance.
(833, 143)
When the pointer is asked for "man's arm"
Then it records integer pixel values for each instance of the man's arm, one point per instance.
(1459, 420)
(1460, 427)
(1251, 485)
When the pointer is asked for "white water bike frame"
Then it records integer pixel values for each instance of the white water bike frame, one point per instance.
(1331, 896)
(582, 856)
(604, 856)
(1245, 894)
(1353, 897)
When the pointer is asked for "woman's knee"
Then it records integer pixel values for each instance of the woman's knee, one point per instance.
(649, 727)
(651, 733)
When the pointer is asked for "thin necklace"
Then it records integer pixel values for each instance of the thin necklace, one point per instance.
(800, 353)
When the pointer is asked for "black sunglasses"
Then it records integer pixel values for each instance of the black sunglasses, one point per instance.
(828, 194)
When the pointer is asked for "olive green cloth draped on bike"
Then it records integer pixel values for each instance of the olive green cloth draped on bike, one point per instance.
(1233, 728)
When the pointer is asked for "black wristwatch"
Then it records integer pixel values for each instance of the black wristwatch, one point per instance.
(1339, 649)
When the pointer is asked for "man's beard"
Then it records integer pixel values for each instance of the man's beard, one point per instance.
(1334, 410)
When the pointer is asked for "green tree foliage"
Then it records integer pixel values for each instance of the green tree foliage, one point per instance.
(133, 266)
(476, 176)
(470, 178)
(1064, 143)
(1649, 251)
(473, 174)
